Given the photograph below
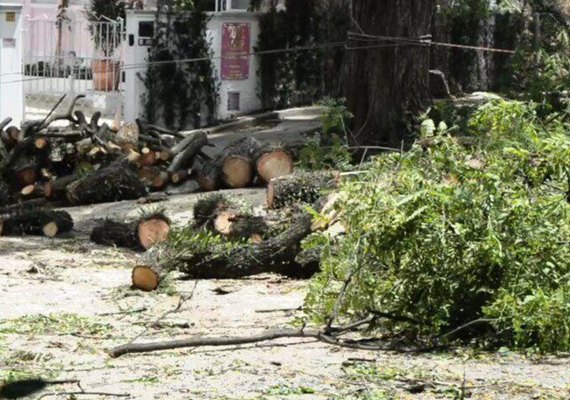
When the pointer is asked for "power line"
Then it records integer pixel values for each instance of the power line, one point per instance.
(396, 41)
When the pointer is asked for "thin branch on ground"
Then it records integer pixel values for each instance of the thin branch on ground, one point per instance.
(53, 394)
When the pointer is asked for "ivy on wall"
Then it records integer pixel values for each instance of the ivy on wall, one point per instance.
(299, 77)
(181, 94)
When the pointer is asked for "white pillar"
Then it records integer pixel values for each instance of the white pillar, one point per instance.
(11, 77)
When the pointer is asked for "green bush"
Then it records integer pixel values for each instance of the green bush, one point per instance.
(450, 233)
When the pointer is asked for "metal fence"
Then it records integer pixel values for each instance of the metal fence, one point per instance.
(69, 57)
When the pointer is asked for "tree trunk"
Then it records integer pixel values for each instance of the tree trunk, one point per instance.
(386, 87)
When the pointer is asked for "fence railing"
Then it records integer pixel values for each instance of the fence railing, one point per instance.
(72, 56)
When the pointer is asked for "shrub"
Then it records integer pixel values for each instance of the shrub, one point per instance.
(447, 234)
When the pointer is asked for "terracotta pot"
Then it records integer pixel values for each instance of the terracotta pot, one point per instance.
(106, 75)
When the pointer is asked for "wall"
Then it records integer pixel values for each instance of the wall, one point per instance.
(136, 52)
(11, 93)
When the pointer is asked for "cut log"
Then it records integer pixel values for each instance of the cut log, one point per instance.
(148, 157)
(273, 255)
(273, 162)
(179, 177)
(138, 235)
(38, 222)
(37, 190)
(26, 176)
(207, 208)
(300, 188)
(237, 162)
(116, 182)
(186, 150)
(59, 186)
(209, 176)
(160, 181)
(234, 225)
(10, 137)
(146, 278)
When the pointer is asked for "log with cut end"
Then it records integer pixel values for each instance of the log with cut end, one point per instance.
(10, 137)
(38, 222)
(273, 162)
(146, 278)
(119, 181)
(148, 157)
(58, 186)
(237, 162)
(180, 177)
(217, 213)
(141, 234)
(26, 175)
(236, 225)
(37, 190)
(306, 187)
(207, 208)
(209, 176)
(276, 254)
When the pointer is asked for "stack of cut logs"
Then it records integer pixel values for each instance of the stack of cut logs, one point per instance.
(89, 162)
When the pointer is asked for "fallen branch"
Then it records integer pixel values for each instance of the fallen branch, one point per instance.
(198, 341)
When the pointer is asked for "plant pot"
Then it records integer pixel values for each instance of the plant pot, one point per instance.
(106, 75)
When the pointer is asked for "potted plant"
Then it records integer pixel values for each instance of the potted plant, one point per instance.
(105, 30)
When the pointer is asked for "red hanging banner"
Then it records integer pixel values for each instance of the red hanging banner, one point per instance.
(236, 39)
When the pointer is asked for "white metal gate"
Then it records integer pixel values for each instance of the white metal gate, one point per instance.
(73, 57)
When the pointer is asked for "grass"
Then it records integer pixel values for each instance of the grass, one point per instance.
(284, 390)
(57, 324)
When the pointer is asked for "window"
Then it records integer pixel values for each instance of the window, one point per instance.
(233, 101)
(232, 5)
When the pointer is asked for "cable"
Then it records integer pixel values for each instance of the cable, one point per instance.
(125, 67)
(420, 41)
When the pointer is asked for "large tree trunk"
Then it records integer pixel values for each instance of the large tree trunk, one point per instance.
(386, 87)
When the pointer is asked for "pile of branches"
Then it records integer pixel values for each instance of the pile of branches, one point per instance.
(89, 162)
(227, 240)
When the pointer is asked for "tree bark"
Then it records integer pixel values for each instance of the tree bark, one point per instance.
(300, 188)
(138, 235)
(38, 222)
(386, 87)
(113, 183)
(276, 254)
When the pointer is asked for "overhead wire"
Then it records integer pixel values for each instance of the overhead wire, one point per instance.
(394, 41)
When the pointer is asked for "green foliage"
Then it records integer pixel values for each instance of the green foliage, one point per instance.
(447, 234)
(293, 77)
(547, 75)
(106, 36)
(54, 323)
(181, 94)
(300, 77)
(329, 148)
